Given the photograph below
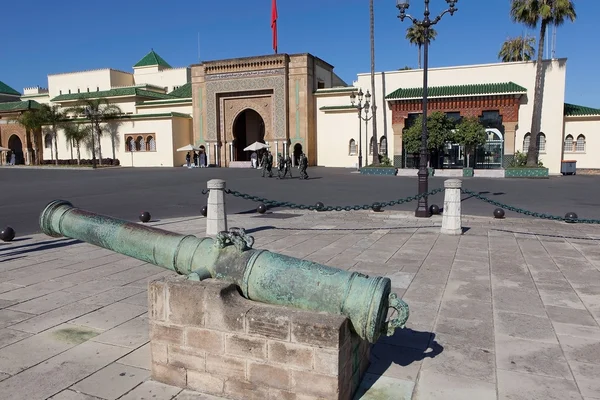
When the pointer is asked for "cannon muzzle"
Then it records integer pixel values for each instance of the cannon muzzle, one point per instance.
(261, 275)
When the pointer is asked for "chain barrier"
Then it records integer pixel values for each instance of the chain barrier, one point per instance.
(527, 212)
(288, 204)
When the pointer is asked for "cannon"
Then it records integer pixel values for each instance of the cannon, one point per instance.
(261, 275)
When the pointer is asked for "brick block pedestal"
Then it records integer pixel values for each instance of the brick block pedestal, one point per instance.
(206, 337)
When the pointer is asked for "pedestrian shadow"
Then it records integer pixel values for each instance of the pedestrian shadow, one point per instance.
(260, 228)
(546, 235)
(12, 248)
(50, 245)
(404, 348)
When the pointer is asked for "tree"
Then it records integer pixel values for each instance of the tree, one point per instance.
(53, 116)
(406, 68)
(519, 48)
(77, 133)
(470, 134)
(99, 111)
(439, 129)
(416, 35)
(373, 104)
(531, 13)
(31, 121)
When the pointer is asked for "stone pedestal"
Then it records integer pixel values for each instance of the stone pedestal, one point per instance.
(206, 337)
(216, 217)
(451, 216)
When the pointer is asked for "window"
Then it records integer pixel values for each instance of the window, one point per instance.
(60, 92)
(151, 144)
(352, 148)
(97, 88)
(526, 140)
(69, 91)
(88, 89)
(320, 85)
(140, 144)
(580, 145)
(454, 116)
(130, 144)
(371, 144)
(568, 144)
(383, 145)
(541, 143)
(78, 91)
(48, 141)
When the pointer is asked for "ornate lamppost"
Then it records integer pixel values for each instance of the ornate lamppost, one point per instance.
(360, 107)
(91, 115)
(425, 23)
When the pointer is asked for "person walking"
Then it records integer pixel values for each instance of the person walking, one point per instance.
(288, 167)
(13, 158)
(202, 159)
(187, 159)
(280, 166)
(254, 159)
(270, 164)
(303, 166)
(195, 159)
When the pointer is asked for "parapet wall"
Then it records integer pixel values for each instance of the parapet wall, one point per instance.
(206, 337)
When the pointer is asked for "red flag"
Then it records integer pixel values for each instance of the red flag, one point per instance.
(274, 23)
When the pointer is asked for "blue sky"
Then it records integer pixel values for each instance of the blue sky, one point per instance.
(69, 35)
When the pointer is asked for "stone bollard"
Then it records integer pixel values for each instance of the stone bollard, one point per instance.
(216, 218)
(451, 217)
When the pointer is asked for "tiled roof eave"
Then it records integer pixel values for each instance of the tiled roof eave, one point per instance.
(457, 96)
(153, 103)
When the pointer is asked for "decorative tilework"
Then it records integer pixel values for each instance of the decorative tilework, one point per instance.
(526, 173)
(245, 74)
(232, 107)
(274, 83)
(297, 108)
(200, 118)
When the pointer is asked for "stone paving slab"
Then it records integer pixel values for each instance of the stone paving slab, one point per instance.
(509, 310)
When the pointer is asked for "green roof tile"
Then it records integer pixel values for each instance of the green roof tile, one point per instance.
(5, 89)
(19, 105)
(572, 110)
(118, 92)
(338, 108)
(152, 59)
(458, 90)
(184, 92)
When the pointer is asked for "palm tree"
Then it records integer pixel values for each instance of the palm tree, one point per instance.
(531, 13)
(77, 133)
(52, 115)
(31, 121)
(416, 35)
(520, 48)
(98, 111)
(373, 104)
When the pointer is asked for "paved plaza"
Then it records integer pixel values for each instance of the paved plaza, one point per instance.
(177, 192)
(509, 310)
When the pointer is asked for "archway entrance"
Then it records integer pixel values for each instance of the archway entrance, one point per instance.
(248, 128)
(16, 147)
(297, 153)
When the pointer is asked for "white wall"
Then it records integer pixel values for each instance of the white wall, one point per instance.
(590, 128)
(185, 108)
(169, 78)
(101, 79)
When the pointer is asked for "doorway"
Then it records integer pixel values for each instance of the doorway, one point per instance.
(16, 147)
(297, 153)
(248, 128)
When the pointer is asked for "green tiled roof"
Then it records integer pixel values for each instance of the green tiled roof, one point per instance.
(170, 102)
(144, 116)
(338, 108)
(458, 90)
(19, 105)
(572, 110)
(337, 90)
(126, 91)
(184, 92)
(5, 89)
(152, 59)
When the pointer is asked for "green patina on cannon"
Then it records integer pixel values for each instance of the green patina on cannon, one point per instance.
(261, 275)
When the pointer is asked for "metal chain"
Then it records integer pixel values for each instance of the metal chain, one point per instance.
(275, 203)
(527, 212)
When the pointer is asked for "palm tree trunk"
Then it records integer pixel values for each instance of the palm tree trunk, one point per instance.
(374, 96)
(78, 155)
(54, 137)
(419, 47)
(71, 145)
(536, 119)
(99, 135)
(112, 144)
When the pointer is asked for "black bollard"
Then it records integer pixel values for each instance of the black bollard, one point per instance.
(8, 234)
(498, 213)
(261, 209)
(204, 211)
(434, 209)
(320, 206)
(571, 217)
(145, 216)
(376, 207)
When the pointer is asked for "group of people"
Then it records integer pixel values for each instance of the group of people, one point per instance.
(11, 158)
(284, 165)
(199, 158)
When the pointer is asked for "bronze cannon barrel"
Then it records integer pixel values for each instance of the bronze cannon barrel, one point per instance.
(260, 274)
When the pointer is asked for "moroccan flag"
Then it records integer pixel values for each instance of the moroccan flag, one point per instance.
(274, 23)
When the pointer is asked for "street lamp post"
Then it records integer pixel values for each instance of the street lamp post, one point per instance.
(426, 23)
(91, 115)
(360, 107)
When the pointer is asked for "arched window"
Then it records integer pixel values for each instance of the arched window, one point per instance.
(568, 144)
(138, 143)
(541, 143)
(526, 140)
(371, 144)
(580, 145)
(383, 145)
(130, 144)
(352, 147)
(151, 144)
(48, 141)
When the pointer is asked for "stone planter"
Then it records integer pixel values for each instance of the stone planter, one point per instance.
(379, 171)
(526, 173)
(468, 172)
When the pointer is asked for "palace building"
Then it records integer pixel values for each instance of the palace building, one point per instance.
(296, 103)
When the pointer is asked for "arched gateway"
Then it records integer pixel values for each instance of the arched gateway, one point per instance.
(248, 127)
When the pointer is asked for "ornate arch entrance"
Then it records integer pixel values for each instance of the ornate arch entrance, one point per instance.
(248, 127)
(16, 147)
